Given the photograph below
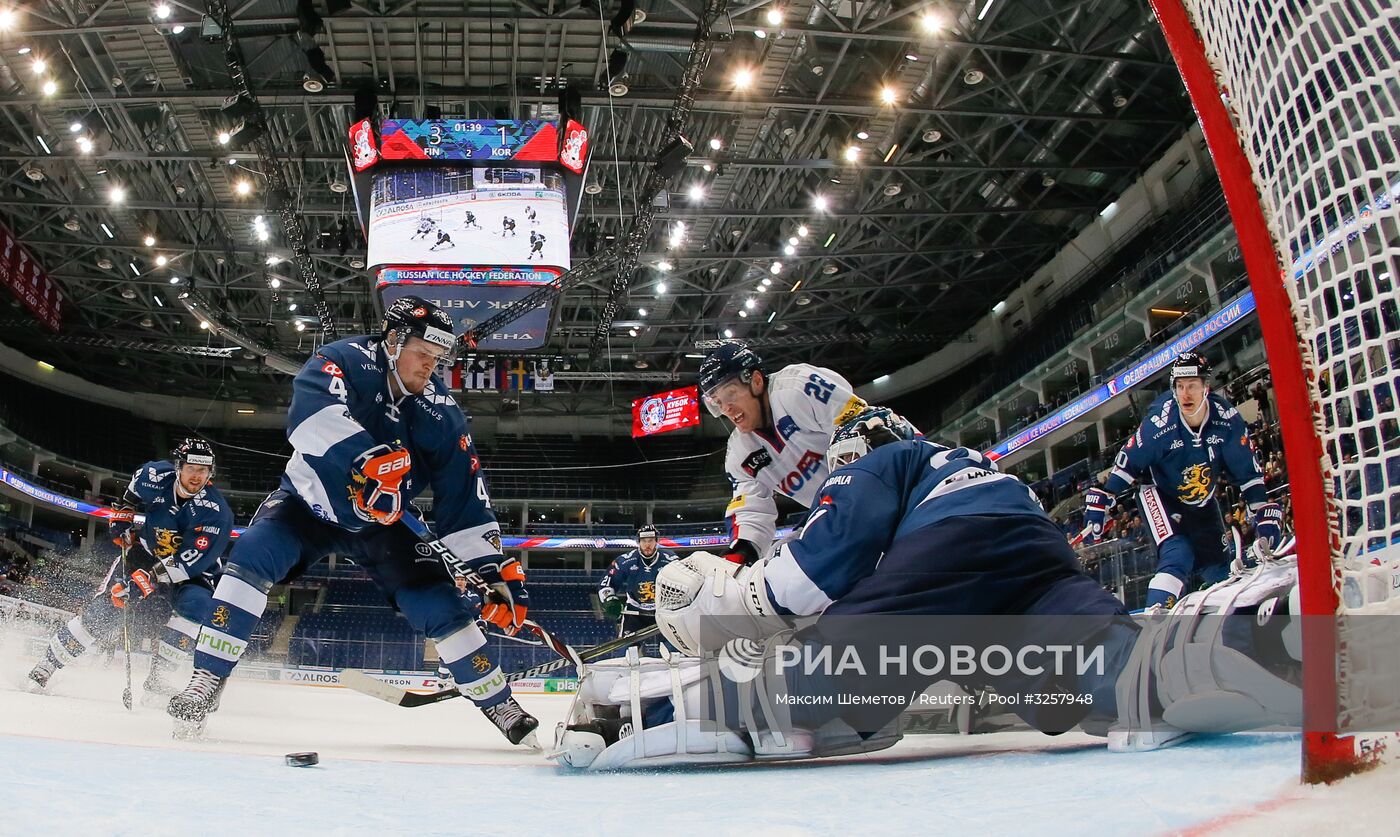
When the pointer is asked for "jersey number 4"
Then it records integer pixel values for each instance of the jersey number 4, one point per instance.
(819, 388)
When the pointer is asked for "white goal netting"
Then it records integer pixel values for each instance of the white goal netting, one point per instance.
(1313, 91)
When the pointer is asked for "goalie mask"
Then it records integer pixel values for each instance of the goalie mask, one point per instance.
(871, 428)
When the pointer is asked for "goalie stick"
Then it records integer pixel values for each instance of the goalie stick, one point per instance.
(357, 680)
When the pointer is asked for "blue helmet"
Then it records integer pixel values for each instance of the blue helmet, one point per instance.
(871, 428)
(729, 362)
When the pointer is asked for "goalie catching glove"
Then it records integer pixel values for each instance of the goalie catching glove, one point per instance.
(378, 475)
(703, 601)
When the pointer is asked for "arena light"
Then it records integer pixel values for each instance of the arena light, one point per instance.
(224, 137)
(775, 268)
(743, 77)
(819, 203)
(161, 261)
(149, 241)
(45, 365)
(275, 283)
(697, 193)
(890, 154)
(716, 143)
(50, 87)
(75, 127)
(243, 411)
(7, 21)
(985, 9)
(116, 194)
(852, 153)
(728, 334)
(760, 34)
(243, 188)
(931, 22)
(660, 288)
(774, 16)
(107, 230)
(802, 231)
(789, 250)
(300, 326)
(39, 66)
(163, 11)
(888, 95)
(750, 303)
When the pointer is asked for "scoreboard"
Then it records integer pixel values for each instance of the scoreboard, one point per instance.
(478, 140)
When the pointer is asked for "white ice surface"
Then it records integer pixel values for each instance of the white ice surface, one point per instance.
(75, 762)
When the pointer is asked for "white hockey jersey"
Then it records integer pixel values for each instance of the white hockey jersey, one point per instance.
(806, 405)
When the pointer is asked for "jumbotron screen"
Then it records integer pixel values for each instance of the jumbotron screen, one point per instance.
(469, 216)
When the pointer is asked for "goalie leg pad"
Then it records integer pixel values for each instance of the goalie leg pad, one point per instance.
(646, 712)
(1186, 675)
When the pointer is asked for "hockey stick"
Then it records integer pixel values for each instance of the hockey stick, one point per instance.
(126, 628)
(364, 684)
(455, 565)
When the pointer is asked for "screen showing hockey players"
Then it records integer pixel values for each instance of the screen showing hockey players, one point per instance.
(462, 215)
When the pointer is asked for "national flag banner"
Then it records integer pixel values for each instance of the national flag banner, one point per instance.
(666, 411)
(28, 281)
(478, 374)
(544, 378)
(514, 375)
(454, 377)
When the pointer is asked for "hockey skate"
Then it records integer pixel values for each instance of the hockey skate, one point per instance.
(191, 708)
(515, 723)
(39, 676)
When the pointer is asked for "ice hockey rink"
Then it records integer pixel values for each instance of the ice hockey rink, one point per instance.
(75, 762)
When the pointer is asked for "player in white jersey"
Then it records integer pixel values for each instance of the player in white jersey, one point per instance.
(783, 423)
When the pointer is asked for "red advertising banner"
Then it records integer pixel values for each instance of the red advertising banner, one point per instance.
(666, 411)
(27, 280)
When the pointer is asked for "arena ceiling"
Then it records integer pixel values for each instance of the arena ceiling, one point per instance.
(908, 162)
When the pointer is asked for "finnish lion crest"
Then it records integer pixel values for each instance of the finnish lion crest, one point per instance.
(1195, 485)
(167, 543)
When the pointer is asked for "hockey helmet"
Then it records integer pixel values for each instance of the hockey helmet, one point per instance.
(1190, 365)
(194, 451)
(869, 429)
(413, 316)
(729, 362)
(647, 531)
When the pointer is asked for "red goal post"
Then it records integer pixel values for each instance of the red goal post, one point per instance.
(1298, 103)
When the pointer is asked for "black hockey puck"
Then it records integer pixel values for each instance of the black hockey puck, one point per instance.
(302, 759)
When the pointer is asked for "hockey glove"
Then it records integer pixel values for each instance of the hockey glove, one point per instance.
(741, 552)
(141, 582)
(378, 474)
(612, 608)
(1097, 502)
(1268, 526)
(508, 608)
(122, 522)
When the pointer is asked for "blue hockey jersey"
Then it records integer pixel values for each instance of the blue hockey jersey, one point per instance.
(342, 407)
(893, 492)
(1186, 465)
(633, 576)
(189, 537)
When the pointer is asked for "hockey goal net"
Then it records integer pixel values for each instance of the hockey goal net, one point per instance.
(1300, 104)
